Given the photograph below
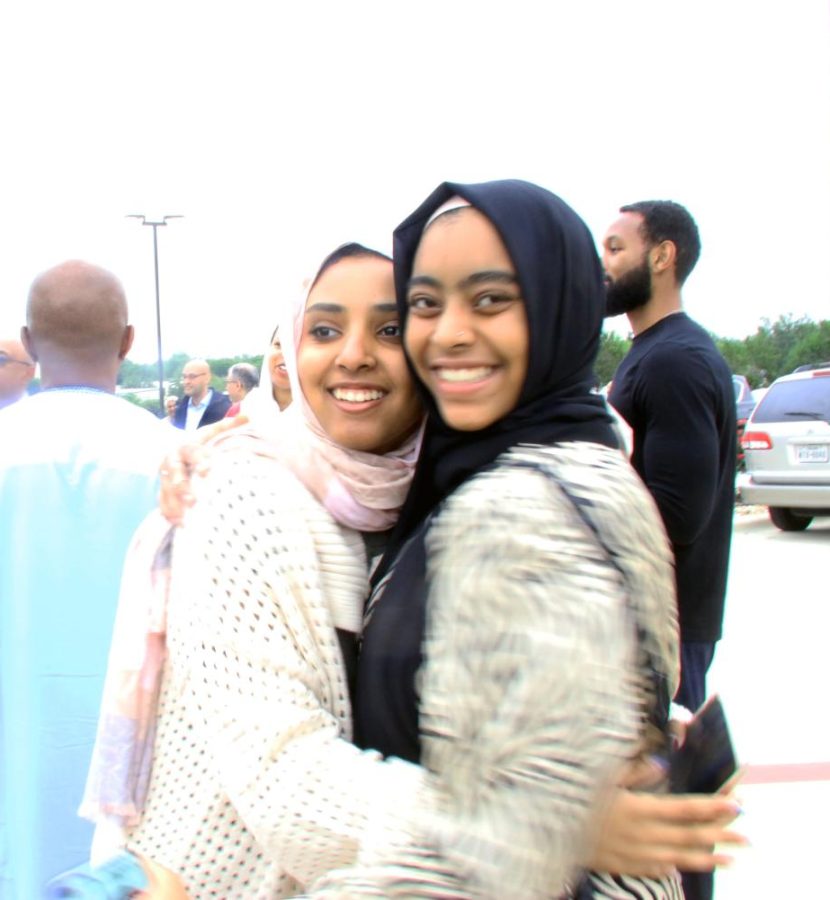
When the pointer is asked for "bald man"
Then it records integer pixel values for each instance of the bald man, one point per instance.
(78, 473)
(16, 371)
(201, 405)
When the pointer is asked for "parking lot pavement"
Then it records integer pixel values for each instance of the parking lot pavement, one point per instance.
(787, 825)
(771, 669)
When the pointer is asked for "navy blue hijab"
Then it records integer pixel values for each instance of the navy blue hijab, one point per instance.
(560, 278)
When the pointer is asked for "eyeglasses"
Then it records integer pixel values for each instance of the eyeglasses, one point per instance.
(6, 360)
(191, 377)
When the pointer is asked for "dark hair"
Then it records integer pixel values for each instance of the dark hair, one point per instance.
(665, 220)
(351, 250)
(245, 374)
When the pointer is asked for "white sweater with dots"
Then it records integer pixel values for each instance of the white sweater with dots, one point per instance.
(256, 789)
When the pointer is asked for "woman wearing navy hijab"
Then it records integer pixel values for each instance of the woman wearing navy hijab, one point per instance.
(521, 639)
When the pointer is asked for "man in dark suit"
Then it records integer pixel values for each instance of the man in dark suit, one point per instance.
(201, 405)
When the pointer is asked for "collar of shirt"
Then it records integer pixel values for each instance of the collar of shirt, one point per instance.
(204, 402)
(195, 411)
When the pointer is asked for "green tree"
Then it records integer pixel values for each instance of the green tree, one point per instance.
(151, 405)
(734, 351)
(612, 349)
(769, 349)
(812, 347)
(136, 375)
(174, 365)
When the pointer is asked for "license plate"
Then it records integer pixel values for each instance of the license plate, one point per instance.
(811, 453)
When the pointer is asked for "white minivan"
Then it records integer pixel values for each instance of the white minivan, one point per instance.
(786, 444)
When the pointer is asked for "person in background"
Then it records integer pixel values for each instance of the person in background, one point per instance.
(170, 406)
(261, 407)
(201, 405)
(78, 472)
(675, 391)
(264, 405)
(16, 371)
(242, 378)
(274, 363)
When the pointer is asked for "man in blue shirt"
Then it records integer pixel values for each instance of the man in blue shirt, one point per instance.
(78, 473)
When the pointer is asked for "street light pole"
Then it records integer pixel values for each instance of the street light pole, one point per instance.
(155, 226)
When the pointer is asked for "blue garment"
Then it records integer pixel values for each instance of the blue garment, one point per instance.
(78, 473)
(695, 659)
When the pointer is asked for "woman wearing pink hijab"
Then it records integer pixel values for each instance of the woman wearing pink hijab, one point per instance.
(254, 637)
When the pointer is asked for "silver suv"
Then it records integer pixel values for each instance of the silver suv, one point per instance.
(787, 450)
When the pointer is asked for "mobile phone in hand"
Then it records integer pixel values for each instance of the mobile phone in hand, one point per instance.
(706, 760)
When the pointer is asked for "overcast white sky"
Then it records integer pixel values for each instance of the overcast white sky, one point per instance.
(280, 129)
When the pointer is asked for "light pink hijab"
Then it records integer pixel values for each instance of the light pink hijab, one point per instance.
(361, 490)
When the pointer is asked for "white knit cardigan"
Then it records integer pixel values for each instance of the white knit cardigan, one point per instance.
(256, 789)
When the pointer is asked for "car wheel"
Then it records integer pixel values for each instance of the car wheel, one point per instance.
(787, 520)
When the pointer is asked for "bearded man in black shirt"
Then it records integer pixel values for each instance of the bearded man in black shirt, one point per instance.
(675, 391)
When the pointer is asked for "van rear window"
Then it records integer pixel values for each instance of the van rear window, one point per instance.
(795, 401)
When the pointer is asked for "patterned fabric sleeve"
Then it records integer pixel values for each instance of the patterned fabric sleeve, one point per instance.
(529, 696)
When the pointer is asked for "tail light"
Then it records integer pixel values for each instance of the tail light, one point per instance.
(756, 440)
(741, 424)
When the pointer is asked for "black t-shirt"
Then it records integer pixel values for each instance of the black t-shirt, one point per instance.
(675, 391)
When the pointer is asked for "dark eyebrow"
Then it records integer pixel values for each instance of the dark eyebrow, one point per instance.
(488, 275)
(385, 306)
(491, 275)
(334, 308)
(422, 280)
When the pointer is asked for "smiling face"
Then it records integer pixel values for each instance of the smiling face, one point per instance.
(467, 332)
(195, 379)
(350, 361)
(275, 363)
